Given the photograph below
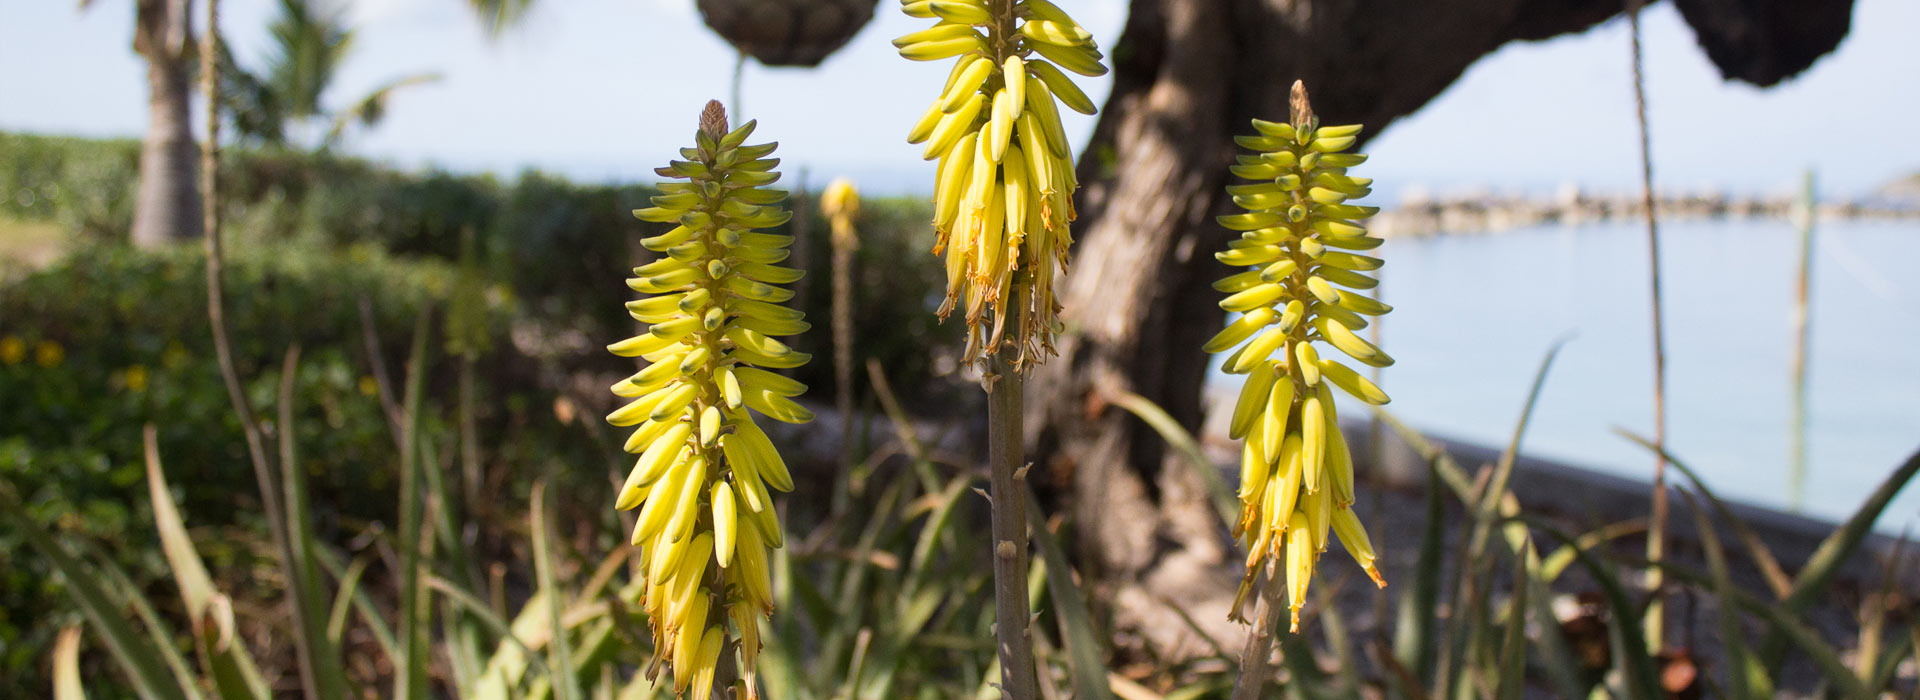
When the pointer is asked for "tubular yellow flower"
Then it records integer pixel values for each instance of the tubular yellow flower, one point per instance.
(841, 203)
(1004, 194)
(1296, 473)
(700, 484)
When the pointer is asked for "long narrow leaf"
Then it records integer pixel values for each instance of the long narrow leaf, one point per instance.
(410, 670)
(303, 578)
(559, 651)
(1757, 548)
(1833, 669)
(1739, 683)
(1513, 652)
(232, 669)
(1630, 648)
(1419, 608)
(363, 605)
(66, 665)
(343, 600)
(1503, 470)
(121, 587)
(136, 657)
(1821, 568)
(189, 573)
(228, 665)
(1084, 652)
(481, 611)
(1224, 500)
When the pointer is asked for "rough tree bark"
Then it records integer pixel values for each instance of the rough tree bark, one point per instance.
(1188, 74)
(168, 205)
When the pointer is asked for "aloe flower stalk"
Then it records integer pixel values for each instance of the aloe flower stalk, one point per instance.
(705, 469)
(1299, 241)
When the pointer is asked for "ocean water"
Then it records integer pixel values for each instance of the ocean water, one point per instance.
(1475, 314)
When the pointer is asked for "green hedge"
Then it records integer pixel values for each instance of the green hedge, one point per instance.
(109, 339)
(563, 249)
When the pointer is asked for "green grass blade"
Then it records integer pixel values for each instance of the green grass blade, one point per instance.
(343, 600)
(183, 559)
(228, 665)
(410, 669)
(559, 652)
(1333, 627)
(1833, 669)
(1757, 548)
(1821, 568)
(1084, 651)
(66, 665)
(930, 534)
(232, 669)
(473, 605)
(1556, 563)
(1513, 653)
(1297, 657)
(1449, 471)
(1880, 679)
(1630, 647)
(363, 605)
(121, 586)
(849, 601)
(1562, 669)
(1733, 641)
(1224, 499)
(303, 579)
(1503, 470)
(1419, 608)
(137, 658)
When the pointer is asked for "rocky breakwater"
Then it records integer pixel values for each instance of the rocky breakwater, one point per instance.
(1420, 213)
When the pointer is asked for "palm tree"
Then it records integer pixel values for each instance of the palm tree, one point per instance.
(167, 207)
(284, 105)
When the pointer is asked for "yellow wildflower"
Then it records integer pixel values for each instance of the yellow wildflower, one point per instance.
(48, 354)
(13, 350)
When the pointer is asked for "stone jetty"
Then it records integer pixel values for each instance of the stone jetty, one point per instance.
(1420, 213)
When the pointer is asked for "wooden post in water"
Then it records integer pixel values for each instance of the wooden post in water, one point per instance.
(1802, 330)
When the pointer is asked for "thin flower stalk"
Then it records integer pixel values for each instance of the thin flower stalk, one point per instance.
(705, 470)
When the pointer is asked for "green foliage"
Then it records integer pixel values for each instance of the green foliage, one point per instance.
(85, 185)
(557, 249)
(133, 348)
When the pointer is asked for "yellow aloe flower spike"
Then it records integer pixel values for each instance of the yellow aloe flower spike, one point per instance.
(1004, 194)
(1298, 235)
(701, 483)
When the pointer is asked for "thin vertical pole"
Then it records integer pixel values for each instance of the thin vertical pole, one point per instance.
(1657, 528)
(1802, 322)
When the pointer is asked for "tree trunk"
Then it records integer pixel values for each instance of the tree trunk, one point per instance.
(1188, 74)
(168, 205)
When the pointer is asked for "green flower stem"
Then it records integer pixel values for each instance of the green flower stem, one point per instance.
(1007, 487)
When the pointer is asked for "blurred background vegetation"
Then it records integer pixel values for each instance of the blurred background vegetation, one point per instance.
(98, 338)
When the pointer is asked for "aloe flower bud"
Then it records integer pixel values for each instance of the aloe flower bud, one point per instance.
(705, 469)
(1298, 243)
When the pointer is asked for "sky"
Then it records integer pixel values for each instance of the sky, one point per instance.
(605, 90)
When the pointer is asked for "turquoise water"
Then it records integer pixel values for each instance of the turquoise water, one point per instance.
(1474, 315)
